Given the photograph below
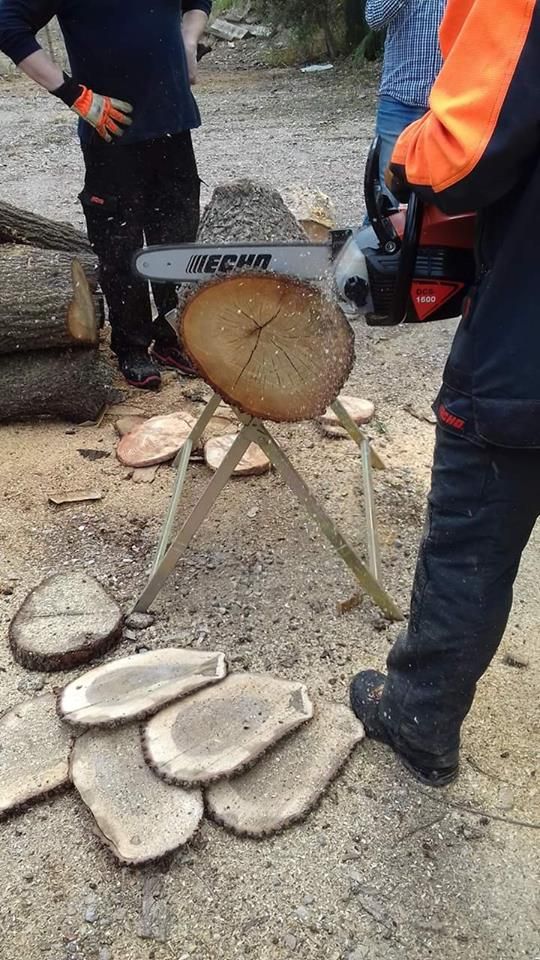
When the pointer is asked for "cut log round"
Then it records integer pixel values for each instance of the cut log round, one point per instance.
(71, 385)
(136, 687)
(271, 346)
(20, 226)
(137, 816)
(359, 410)
(289, 781)
(46, 301)
(65, 621)
(221, 730)
(246, 210)
(34, 753)
(253, 463)
(155, 441)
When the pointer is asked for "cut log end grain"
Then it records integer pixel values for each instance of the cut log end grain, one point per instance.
(137, 816)
(34, 754)
(253, 463)
(221, 730)
(156, 440)
(136, 687)
(271, 346)
(65, 621)
(287, 783)
(47, 301)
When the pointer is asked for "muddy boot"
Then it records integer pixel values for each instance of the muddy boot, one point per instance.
(365, 695)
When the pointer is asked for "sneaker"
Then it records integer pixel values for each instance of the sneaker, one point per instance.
(139, 369)
(173, 358)
(365, 695)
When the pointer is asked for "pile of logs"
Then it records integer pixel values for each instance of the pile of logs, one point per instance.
(50, 316)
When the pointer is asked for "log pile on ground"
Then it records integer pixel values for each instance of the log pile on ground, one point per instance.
(50, 316)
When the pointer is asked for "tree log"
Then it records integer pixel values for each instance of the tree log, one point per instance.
(46, 300)
(72, 385)
(20, 226)
(270, 346)
(245, 210)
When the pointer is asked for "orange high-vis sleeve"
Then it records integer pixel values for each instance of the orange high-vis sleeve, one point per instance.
(484, 118)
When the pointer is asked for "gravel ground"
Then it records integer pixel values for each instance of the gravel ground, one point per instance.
(383, 868)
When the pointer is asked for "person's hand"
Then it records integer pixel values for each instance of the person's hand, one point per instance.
(396, 181)
(108, 116)
(190, 46)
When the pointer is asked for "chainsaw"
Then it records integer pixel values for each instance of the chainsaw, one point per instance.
(408, 265)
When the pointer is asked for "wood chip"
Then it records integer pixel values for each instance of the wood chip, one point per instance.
(34, 753)
(156, 440)
(139, 817)
(253, 463)
(137, 686)
(78, 496)
(65, 621)
(361, 411)
(289, 781)
(220, 731)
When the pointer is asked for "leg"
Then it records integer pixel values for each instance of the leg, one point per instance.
(392, 119)
(171, 212)
(113, 208)
(482, 508)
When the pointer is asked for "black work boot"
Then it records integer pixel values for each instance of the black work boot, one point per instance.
(173, 357)
(365, 695)
(139, 369)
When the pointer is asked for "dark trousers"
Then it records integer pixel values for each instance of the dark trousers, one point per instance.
(149, 191)
(482, 508)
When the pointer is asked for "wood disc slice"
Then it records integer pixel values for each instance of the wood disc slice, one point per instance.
(156, 440)
(217, 732)
(253, 463)
(139, 817)
(286, 784)
(34, 753)
(271, 346)
(65, 621)
(136, 687)
(359, 410)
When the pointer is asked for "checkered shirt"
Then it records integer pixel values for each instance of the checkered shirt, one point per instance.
(412, 57)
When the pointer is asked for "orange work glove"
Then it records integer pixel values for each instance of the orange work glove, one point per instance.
(108, 116)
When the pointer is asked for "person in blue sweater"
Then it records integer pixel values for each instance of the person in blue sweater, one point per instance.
(132, 67)
(412, 60)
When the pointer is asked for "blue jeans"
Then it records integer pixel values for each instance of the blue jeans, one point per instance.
(483, 505)
(392, 119)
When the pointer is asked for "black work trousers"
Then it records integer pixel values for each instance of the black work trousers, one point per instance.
(146, 191)
(482, 508)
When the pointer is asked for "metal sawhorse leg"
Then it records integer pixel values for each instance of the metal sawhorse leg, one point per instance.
(253, 430)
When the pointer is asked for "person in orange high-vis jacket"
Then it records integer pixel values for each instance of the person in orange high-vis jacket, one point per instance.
(477, 149)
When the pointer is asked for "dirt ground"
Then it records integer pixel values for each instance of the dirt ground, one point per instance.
(383, 869)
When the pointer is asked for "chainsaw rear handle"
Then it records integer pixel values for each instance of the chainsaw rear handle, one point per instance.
(379, 209)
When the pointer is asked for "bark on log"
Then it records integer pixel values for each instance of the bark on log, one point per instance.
(271, 346)
(46, 300)
(72, 385)
(245, 210)
(20, 226)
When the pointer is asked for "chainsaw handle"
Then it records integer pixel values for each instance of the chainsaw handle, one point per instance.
(407, 258)
(378, 203)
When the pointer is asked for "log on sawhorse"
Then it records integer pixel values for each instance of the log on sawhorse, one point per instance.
(171, 547)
